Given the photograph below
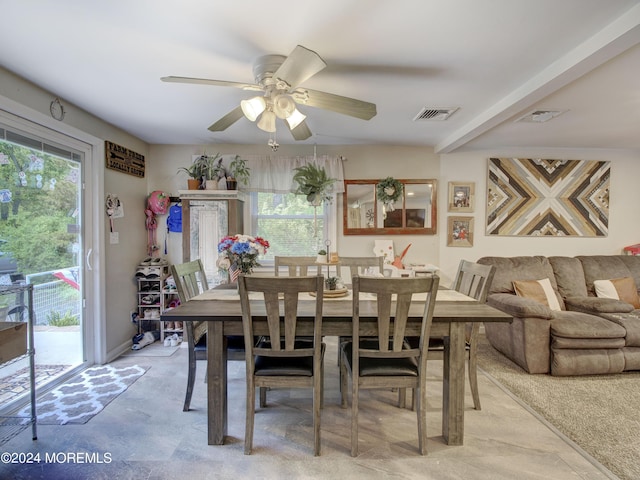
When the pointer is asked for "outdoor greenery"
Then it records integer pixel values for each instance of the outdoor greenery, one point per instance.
(38, 208)
(57, 319)
(287, 222)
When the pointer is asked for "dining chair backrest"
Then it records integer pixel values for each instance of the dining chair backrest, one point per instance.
(393, 293)
(296, 266)
(358, 265)
(190, 279)
(282, 329)
(473, 280)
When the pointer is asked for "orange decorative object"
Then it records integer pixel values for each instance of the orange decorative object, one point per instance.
(397, 262)
(632, 249)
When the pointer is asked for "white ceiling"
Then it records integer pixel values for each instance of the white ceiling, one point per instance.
(494, 59)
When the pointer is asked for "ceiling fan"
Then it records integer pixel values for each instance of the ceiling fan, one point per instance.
(278, 78)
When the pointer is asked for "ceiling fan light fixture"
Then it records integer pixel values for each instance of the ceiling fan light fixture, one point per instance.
(253, 107)
(295, 119)
(267, 121)
(283, 106)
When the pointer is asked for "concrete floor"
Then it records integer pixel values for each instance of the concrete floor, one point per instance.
(143, 434)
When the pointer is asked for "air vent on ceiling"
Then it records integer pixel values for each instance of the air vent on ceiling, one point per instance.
(540, 116)
(434, 114)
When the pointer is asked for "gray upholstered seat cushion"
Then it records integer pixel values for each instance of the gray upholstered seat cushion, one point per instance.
(582, 325)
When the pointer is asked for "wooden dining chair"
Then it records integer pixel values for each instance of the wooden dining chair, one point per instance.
(296, 266)
(358, 265)
(190, 281)
(385, 361)
(473, 280)
(280, 359)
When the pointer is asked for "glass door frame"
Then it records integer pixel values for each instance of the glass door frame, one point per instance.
(31, 122)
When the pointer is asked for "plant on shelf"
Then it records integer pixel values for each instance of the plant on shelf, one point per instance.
(322, 256)
(331, 283)
(212, 170)
(388, 191)
(238, 173)
(313, 182)
(195, 172)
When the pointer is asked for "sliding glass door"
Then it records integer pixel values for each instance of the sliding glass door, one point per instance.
(41, 243)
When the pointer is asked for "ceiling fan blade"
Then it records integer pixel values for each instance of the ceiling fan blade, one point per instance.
(218, 83)
(337, 103)
(301, 132)
(299, 66)
(229, 119)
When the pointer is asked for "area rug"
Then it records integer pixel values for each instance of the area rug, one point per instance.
(597, 412)
(19, 383)
(85, 395)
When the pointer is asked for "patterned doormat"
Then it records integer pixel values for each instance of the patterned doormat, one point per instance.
(85, 395)
(18, 384)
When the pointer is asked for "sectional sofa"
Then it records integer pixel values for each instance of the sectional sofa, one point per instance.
(571, 315)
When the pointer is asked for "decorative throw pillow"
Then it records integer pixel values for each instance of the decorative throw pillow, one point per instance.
(619, 288)
(538, 290)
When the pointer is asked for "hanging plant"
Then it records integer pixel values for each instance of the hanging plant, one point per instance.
(388, 191)
(314, 183)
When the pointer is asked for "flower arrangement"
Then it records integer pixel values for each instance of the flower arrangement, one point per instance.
(388, 191)
(240, 252)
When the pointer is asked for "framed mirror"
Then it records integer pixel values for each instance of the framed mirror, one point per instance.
(413, 213)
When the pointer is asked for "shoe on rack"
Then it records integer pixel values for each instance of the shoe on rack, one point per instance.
(146, 261)
(174, 340)
(142, 272)
(168, 325)
(158, 262)
(150, 299)
(167, 341)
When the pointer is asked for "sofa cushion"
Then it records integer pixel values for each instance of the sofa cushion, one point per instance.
(623, 288)
(602, 267)
(538, 290)
(596, 305)
(569, 276)
(509, 269)
(630, 322)
(582, 325)
(519, 307)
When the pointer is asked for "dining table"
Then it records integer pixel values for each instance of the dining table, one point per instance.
(220, 307)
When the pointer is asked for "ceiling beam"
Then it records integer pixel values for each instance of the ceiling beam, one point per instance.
(611, 41)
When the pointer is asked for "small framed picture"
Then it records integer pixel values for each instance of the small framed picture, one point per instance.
(462, 196)
(460, 232)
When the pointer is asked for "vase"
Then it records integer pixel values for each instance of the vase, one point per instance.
(193, 183)
(211, 184)
(232, 184)
(321, 259)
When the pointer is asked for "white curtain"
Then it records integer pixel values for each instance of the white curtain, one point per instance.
(270, 173)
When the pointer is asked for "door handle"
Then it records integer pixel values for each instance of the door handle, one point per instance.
(88, 259)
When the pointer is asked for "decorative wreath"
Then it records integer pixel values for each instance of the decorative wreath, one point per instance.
(389, 190)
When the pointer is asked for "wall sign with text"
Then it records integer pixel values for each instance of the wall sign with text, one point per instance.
(123, 160)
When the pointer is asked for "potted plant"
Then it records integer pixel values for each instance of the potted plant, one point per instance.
(313, 182)
(195, 172)
(331, 282)
(212, 170)
(238, 173)
(322, 256)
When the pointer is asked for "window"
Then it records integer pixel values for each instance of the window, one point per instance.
(289, 223)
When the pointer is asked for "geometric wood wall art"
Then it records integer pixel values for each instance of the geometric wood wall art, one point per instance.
(543, 197)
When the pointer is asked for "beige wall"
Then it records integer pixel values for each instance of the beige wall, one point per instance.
(624, 228)
(364, 162)
(114, 265)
